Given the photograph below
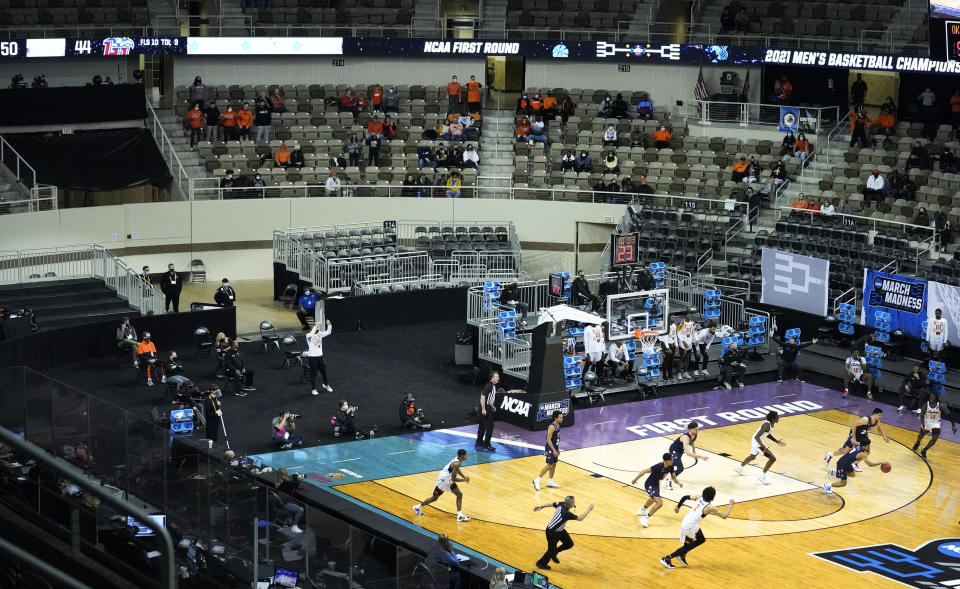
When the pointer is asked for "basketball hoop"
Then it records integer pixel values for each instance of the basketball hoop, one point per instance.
(647, 338)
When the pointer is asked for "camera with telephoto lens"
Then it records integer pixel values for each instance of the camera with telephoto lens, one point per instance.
(296, 415)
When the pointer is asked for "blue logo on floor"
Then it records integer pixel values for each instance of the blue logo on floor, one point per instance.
(920, 567)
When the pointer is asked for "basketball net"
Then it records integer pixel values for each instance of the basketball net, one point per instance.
(647, 338)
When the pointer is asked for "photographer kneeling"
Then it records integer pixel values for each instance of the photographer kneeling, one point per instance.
(346, 422)
(283, 427)
(410, 416)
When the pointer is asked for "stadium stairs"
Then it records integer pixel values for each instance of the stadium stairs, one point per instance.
(64, 303)
(173, 127)
(12, 192)
(496, 148)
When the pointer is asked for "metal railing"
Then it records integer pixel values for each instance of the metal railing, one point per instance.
(26, 195)
(82, 261)
(180, 177)
(96, 488)
(874, 224)
(848, 296)
(707, 112)
(834, 133)
(26, 175)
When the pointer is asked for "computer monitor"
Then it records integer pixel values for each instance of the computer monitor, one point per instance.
(143, 530)
(285, 578)
(537, 580)
(556, 285)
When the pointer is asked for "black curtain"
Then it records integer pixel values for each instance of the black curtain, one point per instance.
(72, 105)
(911, 85)
(95, 161)
(809, 85)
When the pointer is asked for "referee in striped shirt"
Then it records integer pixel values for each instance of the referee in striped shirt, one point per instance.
(555, 529)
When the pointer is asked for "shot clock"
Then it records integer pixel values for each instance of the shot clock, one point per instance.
(625, 249)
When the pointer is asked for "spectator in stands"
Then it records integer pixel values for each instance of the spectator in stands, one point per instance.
(426, 157)
(354, 149)
(550, 107)
(740, 169)
(918, 157)
(885, 123)
(333, 185)
(636, 137)
(827, 209)
(580, 294)
(474, 94)
(282, 156)
(948, 162)
(928, 101)
(454, 91)
(376, 98)
(605, 108)
(889, 106)
(348, 103)
(296, 157)
(619, 108)
(782, 91)
(244, 122)
(858, 91)
(375, 127)
(727, 22)
(262, 118)
(858, 127)
(779, 174)
(661, 138)
(148, 360)
(227, 183)
(644, 188)
(944, 230)
(454, 131)
(788, 143)
(455, 158)
(523, 105)
(610, 136)
(645, 109)
(127, 338)
(611, 164)
(904, 188)
(389, 128)
(229, 121)
(276, 101)
(213, 122)
(567, 108)
(536, 104)
(471, 159)
(874, 189)
(195, 118)
(583, 162)
(373, 149)
(338, 161)
(801, 148)
(568, 162)
(453, 184)
(410, 185)
(391, 102)
(799, 205)
(627, 185)
(198, 92)
(523, 128)
(538, 130)
(922, 219)
(441, 156)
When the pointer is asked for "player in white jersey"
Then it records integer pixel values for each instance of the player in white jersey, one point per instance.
(937, 334)
(690, 531)
(668, 344)
(447, 480)
(933, 412)
(757, 446)
(702, 342)
(855, 371)
(686, 330)
(593, 346)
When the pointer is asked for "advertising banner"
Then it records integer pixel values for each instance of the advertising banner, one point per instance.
(904, 297)
(795, 281)
(789, 119)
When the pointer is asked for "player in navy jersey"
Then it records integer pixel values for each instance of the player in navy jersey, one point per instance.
(859, 435)
(845, 466)
(551, 450)
(652, 486)
(683, 445)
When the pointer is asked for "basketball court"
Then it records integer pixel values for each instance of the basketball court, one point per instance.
(771, 536)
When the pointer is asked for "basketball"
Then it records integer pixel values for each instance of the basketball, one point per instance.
(885, 467)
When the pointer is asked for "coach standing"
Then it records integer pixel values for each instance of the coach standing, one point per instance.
(488, 399)
(556, 534)
(171, 286)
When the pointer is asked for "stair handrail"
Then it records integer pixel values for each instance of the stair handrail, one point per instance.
(181, 178)
(75, 475)
(26, 174)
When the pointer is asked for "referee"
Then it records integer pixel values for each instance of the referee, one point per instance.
(555, 529)
(488, 397)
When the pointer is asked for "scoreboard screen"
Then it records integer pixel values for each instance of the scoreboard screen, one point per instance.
(944, 23)
(625, 249)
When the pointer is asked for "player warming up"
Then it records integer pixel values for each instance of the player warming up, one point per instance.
(652, 486)
(757, 446)
(853, 372)
(932, 413)
(937, 335)
(861, 427)
(684, 445)
(447, 480)
(845, 466)
(551, 451)
(690, 531)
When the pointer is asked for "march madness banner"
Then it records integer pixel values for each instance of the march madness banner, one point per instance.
(905, 298)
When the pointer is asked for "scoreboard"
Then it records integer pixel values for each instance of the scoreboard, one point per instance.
(625, 249)
(90, 47)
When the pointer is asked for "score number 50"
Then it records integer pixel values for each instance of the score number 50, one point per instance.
(9, 49)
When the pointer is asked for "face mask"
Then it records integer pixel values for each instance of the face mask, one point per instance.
(343, 407)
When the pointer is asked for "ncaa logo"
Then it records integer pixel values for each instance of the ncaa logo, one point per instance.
(950, 549)
(117, 45)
